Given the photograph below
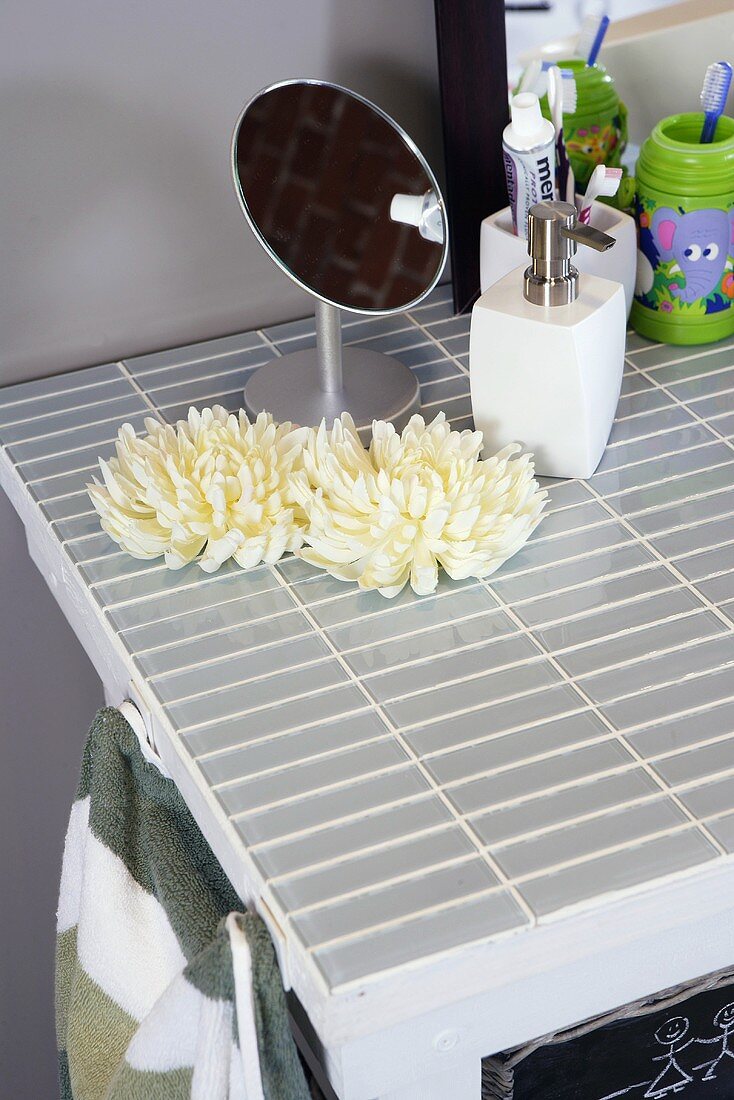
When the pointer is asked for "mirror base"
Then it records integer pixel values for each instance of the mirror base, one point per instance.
(375, 387)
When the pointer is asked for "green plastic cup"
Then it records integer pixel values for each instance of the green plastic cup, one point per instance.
(684, 208)
(596, 132)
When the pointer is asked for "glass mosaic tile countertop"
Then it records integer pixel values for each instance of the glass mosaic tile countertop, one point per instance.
(402, 780)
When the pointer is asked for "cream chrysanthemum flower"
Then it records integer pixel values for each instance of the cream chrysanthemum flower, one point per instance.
(215, 483)
(411, 503)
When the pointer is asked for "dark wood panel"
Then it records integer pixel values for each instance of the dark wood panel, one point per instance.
(472, 64)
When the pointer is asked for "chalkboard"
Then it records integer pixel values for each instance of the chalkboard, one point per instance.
(685, 1052)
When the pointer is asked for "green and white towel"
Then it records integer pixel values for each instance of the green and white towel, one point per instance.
(164, 991)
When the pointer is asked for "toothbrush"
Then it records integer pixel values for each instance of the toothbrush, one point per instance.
(530, 77)
(589, 30)
(597, 43)
(562, 100)
(604, 182)
(716, 84)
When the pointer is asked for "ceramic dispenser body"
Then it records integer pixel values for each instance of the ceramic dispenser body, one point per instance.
(548, 376)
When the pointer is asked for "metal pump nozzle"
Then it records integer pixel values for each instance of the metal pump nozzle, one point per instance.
(553, 233)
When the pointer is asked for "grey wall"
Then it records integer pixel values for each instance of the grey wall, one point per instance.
(120, 233)
(119, 228)
(48, 695)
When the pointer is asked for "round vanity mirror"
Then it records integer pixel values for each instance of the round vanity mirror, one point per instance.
(342, 201)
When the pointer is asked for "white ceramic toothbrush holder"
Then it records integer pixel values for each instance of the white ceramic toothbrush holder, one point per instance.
(500, 251)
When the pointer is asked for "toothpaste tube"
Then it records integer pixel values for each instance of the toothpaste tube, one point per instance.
(529, 151)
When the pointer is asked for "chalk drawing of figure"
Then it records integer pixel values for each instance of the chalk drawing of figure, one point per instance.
(671, 1078)
(724, 1019)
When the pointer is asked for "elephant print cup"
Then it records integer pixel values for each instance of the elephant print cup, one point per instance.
(685, 216)
(699, 245)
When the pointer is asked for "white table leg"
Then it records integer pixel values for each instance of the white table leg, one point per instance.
(464, 1082)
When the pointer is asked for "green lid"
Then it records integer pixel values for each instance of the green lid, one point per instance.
(596, 95)
(673, 161)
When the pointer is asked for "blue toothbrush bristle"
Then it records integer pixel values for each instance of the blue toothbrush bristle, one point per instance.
(716, 86)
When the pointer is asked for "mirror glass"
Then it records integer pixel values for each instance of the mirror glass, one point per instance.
(319, 170)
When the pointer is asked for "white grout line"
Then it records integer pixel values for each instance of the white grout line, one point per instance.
(412, 757)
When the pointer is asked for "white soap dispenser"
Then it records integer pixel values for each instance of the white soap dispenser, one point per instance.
(546, 351)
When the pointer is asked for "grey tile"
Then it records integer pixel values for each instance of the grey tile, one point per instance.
(246, 641)
(723, 830)
(71, 421)
(313, 777)
(499, 718)
(41, 388)
(491, 688)
(430, 675)
(718, 589)
(182, 594)
(642, 401)
(381, 827)
(699, 762)
(183, 627)
(217, 675)
(540, 776)
(205, 370)
(512, 749)
(647, 862)
(293, 748)
(449, 928)
(707, 564)
(276, 719)
(705, 384)
(599, 596)
(662, 469)
(676, 490)
(670, 365)
(231, 400)
(143, 364)
(369, 622)
(51, 488)
(202, 390)
(82, 527)
(594, 568)
(709, 407)
(550, 810)
(724, 425)
(571, 519)
(637, 644)
(250, 698)
(316, 811)
(620, 827)
(689, 513)
(116, 564)
(667, 668)
(579, 544)
(77, 504)
(484, 626)
(438, 392)
(655, 446)
(567, 493)
(683, 733)
(711, 797)
(177, 585)
(698, 537)
(374, 868)
(101, 436)
(713, 687)
(84, 459)
(47, 405)
(635, 428)
(364, 911)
